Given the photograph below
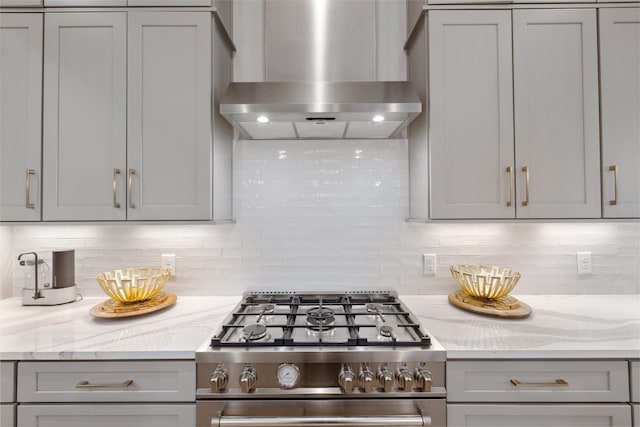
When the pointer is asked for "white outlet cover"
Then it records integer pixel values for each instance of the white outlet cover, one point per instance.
(585, 265)
(429, 264)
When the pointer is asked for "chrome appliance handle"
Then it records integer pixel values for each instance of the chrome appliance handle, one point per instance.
(323, 421)
(28, 203)
(557, 383)
(130, 188)
(614, 169)
(510, 172)
(525, 202)
(116, 172)
(87, 384)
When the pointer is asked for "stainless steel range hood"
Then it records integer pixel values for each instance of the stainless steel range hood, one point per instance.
(320, 110)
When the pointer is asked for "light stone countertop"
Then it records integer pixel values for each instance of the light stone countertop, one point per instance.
(561, 326)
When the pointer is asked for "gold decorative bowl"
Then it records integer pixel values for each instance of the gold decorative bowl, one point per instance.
(133, 285)
(482, 281)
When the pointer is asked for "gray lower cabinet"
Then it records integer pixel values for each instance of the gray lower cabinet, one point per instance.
(127, 116)
(7, 394)
(104, 394)
(514, 393)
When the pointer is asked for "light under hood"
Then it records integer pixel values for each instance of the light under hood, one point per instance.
(320, 110)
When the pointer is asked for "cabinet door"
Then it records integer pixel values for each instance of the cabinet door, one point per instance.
(169, 116)
(556, 113)
(107, 415)
(20, 116)
(519, 415)
(84, 134)
(620, 103)
(471, 114)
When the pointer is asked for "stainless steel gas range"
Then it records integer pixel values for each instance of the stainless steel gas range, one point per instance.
(302, 359)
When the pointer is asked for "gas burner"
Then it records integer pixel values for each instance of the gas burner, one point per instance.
(375, 309)
(265, 309)
(254, 332)
(387, 332)
(320, 319)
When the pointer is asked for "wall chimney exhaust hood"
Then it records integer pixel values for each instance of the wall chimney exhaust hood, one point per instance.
(320, 110)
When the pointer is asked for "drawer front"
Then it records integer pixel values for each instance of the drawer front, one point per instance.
(7, 382)
(635, 410)
(634, 376)
(124, 415)
(168, 381)
(516, 415)
(537, 381)
(8, 414)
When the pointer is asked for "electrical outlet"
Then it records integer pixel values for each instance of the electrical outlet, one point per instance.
(428, 264)
(169, 261)
(584, 263)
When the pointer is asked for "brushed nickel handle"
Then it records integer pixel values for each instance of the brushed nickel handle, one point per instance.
(318, 421)
(614, 169)
(525, 202)
(28, 203)
(130, 188)
(116, 172)
(510, 172)
(557, 383)
(87, 384)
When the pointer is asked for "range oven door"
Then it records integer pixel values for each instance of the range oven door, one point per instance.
(325, 413)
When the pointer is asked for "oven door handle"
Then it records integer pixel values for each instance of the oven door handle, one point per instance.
(322, 421)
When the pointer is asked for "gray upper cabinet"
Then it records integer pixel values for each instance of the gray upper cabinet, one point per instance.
(127, 116)
(84, 138)
(620, 111)
(471, 121)
(169, 116)
(20, 116)
(556, 113)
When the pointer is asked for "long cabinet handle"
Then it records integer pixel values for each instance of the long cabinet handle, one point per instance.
(510, 172)
(130, 188)
(28, 203)
(320, 421)
(525, 202)
(614, 169)
(87, 384)
(116, 172)
(557, 383)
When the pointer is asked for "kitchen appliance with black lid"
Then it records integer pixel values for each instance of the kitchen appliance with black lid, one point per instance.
(307, 359)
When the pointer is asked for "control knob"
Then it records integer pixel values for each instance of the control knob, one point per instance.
(404, 377)
(385, 378)
(366, 378)
(248, 379)
(423, 378)
(346, 378)
(219, 379)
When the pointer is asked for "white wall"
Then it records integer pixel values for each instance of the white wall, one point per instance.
(323, 215)
(6, 261)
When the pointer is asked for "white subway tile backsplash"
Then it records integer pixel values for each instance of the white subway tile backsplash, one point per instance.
(330, 215)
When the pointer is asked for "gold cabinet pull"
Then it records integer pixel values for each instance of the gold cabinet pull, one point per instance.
(510, 172)
(116, 172)
(525, 202)
(28, 203)
(557, 383)
(130, 188)
(87, 384)
(614, 169)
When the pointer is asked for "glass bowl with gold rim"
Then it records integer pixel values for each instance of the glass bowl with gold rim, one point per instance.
(133, 285)
(491, 282)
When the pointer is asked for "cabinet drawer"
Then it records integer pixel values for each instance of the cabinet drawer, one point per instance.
(168, 381)
(634, 376)
(149, 415)
(574, 415)
(7, 382)
(537, 381)
(8, 414)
